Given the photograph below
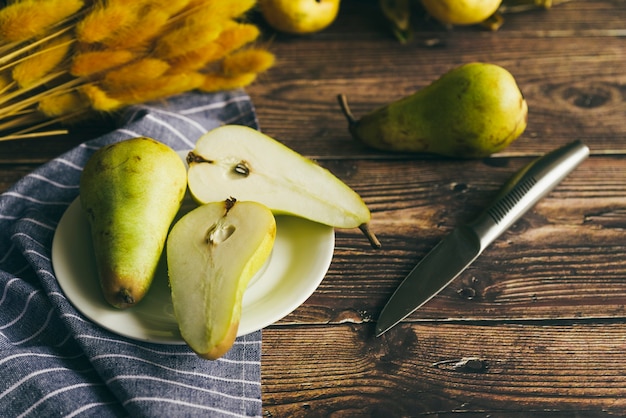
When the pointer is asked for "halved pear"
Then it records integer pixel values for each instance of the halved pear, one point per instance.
(212, 253)
(239, 161)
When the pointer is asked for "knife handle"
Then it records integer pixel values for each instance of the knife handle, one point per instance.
(525, 188)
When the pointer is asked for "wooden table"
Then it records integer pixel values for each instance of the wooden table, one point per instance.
(541, 313)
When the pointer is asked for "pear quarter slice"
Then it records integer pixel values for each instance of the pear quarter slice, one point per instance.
(239, 161)
(212, 253)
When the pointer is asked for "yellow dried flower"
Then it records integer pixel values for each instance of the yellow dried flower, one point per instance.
(196, 59)
(216, 82)
(62, 104)
(164, 86)
(207, 11)
(185, 39)
(135, 73)
(99, 100)
(105, 20)
(27, 19)
(65, 59)
(170, 7)
(237, 36)
(234, 36)
(139, 35)
(42, 62)
(201, 27)
(89, 63)
(247, 61)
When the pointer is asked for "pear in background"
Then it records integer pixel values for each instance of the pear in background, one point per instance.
(212, 253)
(130, 192)
(461, 12)
(242, 162)
(472, 111)
(299, 17)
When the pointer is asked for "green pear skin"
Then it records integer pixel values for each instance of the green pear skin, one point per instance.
(130, 192)
(472, 111)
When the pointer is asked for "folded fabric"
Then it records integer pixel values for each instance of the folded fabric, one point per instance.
(56, 363)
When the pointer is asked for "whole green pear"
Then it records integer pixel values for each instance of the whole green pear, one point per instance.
(131, 191)
(472, 111)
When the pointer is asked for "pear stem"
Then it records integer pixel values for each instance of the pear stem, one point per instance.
(343, 103)
(371, 237)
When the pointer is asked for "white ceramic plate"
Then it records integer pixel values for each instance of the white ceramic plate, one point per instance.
(299, 261)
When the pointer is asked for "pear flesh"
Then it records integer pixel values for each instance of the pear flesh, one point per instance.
(472, 111)
(242, 162)
(130, 192)
(212, 253)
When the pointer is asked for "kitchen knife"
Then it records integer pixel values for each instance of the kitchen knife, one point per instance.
(459, 249)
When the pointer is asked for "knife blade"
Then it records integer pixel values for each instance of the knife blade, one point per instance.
(465, 243)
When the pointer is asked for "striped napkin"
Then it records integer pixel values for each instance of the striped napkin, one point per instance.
(56, 363)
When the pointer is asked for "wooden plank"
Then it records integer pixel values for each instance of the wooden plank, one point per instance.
(563, 259)
(40, 150)
(572, 82)
(9, 174)
(517, 370)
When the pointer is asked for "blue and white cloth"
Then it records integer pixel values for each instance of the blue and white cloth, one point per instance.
(56, 363)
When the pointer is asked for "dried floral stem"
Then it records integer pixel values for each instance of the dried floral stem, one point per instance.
(36, 54)
(25, 91)
(100, 56)
(30, 135)
(22, 50)
(50, 122)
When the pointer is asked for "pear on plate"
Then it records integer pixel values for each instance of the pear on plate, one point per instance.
(242, 162)
(472, 111)
(130, 192)
(212, 253)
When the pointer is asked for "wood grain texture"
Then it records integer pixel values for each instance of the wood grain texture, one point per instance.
(542, 309)
(573, 83)
(441, 369)
(563, 259)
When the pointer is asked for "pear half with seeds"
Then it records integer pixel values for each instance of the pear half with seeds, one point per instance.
(212, 253)
(239, 161)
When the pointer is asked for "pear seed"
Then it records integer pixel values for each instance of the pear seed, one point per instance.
(242, 169)
(219, 233)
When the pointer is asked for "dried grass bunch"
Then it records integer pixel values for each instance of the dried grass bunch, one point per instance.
(63, 60)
